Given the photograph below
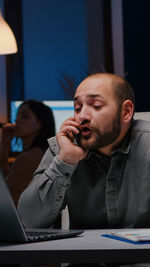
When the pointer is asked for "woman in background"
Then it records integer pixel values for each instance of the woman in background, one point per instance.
(34, 125)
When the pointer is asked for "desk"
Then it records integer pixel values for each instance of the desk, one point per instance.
(90, 247)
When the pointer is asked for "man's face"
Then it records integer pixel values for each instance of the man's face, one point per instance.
(97, 112)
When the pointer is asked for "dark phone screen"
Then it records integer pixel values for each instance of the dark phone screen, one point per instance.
(77, 138)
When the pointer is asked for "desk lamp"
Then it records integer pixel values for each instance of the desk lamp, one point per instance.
(8, 43)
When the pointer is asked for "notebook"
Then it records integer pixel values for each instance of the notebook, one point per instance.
(11, 226)
(137, 235)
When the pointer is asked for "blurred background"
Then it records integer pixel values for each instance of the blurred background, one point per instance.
(62, 41)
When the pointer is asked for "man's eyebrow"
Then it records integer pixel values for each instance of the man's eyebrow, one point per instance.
(95, 96)
(90, 96)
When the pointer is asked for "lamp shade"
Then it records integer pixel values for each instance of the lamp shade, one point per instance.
(8, 43)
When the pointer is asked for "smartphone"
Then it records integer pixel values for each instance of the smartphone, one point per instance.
(77, 138)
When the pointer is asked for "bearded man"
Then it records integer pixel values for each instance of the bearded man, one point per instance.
(104, 181)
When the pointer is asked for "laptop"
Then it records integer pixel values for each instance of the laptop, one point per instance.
(11, 226)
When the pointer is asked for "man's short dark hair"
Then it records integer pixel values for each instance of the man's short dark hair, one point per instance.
(123, 91)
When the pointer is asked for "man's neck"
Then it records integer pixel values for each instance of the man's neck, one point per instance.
(107, 150)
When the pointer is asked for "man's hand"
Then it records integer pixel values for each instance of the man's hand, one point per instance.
(69, 152)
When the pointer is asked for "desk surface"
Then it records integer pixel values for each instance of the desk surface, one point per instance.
(89, 247)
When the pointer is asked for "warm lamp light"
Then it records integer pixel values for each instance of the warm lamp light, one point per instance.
(8, 43)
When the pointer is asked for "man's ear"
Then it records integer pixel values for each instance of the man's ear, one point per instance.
(127, 110)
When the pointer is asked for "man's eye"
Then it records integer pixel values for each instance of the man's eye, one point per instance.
(97, 106)
(77, 109)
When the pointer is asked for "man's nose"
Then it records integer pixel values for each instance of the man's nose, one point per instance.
(84, 114)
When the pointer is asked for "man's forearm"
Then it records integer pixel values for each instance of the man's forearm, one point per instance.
(41, 202)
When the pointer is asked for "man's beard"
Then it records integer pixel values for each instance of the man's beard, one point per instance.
(110, 134)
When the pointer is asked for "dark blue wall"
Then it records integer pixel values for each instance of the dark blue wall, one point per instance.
(136, 19)
(54, 42)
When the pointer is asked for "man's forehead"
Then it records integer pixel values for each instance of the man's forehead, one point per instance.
(94, 86)
(89, 96)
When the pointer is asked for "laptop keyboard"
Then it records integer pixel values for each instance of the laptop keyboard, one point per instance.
(51, 235)
(39, 236)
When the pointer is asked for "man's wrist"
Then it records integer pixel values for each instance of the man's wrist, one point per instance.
(65, 161)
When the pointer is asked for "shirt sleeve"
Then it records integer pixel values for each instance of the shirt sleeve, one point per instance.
(42, 201)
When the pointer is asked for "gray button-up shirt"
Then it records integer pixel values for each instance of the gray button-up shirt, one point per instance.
(100, 191)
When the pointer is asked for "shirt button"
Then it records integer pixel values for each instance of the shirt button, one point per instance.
(58, 198)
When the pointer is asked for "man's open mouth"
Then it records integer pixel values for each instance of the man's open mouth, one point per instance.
(85, 131)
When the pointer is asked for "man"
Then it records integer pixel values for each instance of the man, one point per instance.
(106, 180)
